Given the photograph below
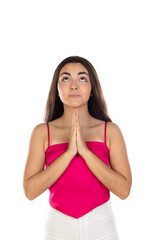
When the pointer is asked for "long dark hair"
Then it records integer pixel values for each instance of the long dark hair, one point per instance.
(97, 106)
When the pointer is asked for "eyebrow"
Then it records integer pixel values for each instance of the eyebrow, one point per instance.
(70, 74)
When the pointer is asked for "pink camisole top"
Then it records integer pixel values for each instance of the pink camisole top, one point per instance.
(77, 191)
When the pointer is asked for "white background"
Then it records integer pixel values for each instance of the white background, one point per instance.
(118, 38)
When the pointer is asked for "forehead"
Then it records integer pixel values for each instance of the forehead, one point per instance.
(73, 67)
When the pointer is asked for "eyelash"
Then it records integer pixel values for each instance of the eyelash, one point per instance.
(80, 78)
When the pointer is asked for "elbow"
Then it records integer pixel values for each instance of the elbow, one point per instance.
(29, 196)
(27, 192)
(125, 193)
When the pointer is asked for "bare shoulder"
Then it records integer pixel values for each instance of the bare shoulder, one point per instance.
(115, 134)
(40, 130)
(113, 131)
(42, 127)
(112, 128)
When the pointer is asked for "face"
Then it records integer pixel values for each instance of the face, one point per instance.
(74, 80)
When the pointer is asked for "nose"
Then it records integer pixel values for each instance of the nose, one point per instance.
(74, 85)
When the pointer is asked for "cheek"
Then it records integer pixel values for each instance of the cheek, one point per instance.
(62, 87)
(63, 92)
(86, 89)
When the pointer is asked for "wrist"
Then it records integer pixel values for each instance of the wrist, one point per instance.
(84, 152)
(70, 153)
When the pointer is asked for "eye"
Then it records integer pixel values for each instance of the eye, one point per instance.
(84, 78)
(80, 78)
(64, 78)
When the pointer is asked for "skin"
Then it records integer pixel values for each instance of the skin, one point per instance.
(75, 84)
(117, 178)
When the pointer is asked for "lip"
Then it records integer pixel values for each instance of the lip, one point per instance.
(75, 95)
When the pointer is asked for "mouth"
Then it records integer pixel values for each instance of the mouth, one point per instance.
(74, 95)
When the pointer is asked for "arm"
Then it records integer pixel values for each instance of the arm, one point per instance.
(37, 179)
(118, 178)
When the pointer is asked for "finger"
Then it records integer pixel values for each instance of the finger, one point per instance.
(73, 120)
(77, 123)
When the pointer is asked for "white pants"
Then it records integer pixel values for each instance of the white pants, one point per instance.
(98, 224)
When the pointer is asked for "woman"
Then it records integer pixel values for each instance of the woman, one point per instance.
(79, 154)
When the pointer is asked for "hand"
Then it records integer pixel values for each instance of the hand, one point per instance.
(72, 146)
(81, 145)
(76, 142)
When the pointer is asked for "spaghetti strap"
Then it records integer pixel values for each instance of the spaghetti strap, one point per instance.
(105, 133)
(48, 134)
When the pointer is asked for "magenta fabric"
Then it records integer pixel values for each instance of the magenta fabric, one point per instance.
(77, 191)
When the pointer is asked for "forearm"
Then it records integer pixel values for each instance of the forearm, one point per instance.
(113, 180)
(41, 181)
